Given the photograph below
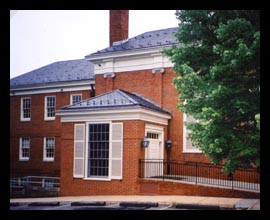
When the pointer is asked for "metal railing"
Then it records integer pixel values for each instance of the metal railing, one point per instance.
(199, 173)
(34, 183)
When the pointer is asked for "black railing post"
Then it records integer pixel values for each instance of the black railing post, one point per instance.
(196, 171)
(168, 162)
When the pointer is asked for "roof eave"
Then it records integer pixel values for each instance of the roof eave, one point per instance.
(126, 53)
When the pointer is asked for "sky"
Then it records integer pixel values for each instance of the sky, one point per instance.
(42, 37)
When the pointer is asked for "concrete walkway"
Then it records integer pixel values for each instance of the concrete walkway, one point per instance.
(222, 202)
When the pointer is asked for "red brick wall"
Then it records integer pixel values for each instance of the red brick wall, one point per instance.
(159, 88)
(173, 188)
(133, 133)
(36, 129)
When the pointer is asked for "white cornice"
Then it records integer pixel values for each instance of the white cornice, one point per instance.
(138, 113)
(53, 88)
(129, 60)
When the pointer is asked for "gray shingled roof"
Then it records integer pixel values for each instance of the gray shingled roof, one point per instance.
(146, 40)
(63, 71)
(116, 99)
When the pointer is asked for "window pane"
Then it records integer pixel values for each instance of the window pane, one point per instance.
(50, 106)
(98, 148)
(26, 106)
(25, 148)
(76, 98)
(50, 144)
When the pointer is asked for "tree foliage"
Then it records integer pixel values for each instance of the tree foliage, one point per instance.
(218, 66)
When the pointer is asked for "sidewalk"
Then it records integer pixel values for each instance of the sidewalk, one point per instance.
(222, 202)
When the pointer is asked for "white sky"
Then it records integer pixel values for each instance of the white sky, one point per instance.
(39, 38)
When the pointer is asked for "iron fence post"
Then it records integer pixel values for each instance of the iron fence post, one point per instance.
(196, 171)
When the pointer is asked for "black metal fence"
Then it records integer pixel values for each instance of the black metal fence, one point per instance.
(199, 173)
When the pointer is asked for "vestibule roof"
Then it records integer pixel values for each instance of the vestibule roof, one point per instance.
(116, 99)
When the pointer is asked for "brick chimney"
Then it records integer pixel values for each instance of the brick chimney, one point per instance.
(118, 25)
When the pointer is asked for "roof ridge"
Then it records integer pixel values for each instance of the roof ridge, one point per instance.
(124, 93)
(157, 30)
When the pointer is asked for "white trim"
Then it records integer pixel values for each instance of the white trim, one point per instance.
(154, 128)
(46, 118)
(71, 97)
(185, 150)
(55, 87)
(131, 60)
(98, 179)
(138, 113)
(21, 110)
(20, 150)
(45, 159)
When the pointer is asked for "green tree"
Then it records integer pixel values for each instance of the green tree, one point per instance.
(218, 66)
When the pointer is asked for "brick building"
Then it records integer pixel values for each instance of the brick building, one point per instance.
(84, 120)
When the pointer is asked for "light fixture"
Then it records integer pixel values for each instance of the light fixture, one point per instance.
(145, 142)
(168, 144)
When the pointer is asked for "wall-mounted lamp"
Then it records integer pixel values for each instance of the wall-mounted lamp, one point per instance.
(109, 75)
(157, 70)
(145, 142)
(168, 144)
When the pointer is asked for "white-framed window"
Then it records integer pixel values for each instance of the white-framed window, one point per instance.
(152, 135)
(102, 157)
(24, 148)
(187, 143)
(26, 109)
(47, 183)
(75, 98)
(50, 107)
(49, 149)
(98, 150)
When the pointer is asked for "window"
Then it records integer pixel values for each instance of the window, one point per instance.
(25, 109)
(49, 145)
(98, 150)
(50, 106)
(103, 154)
(24, 148)
(187, 143)
(47, 183)
(75, 98)
(152, 135)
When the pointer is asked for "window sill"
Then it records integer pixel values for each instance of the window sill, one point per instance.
(25, 119)
(22, 159)
(49, 119)
(98, 179)
(48, 160)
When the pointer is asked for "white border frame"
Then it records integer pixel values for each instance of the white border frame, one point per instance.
(46, 118)
(20, 150)
(185, 150)
(45, 159)
(21, 110)
(71, 97)
(86, 150)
